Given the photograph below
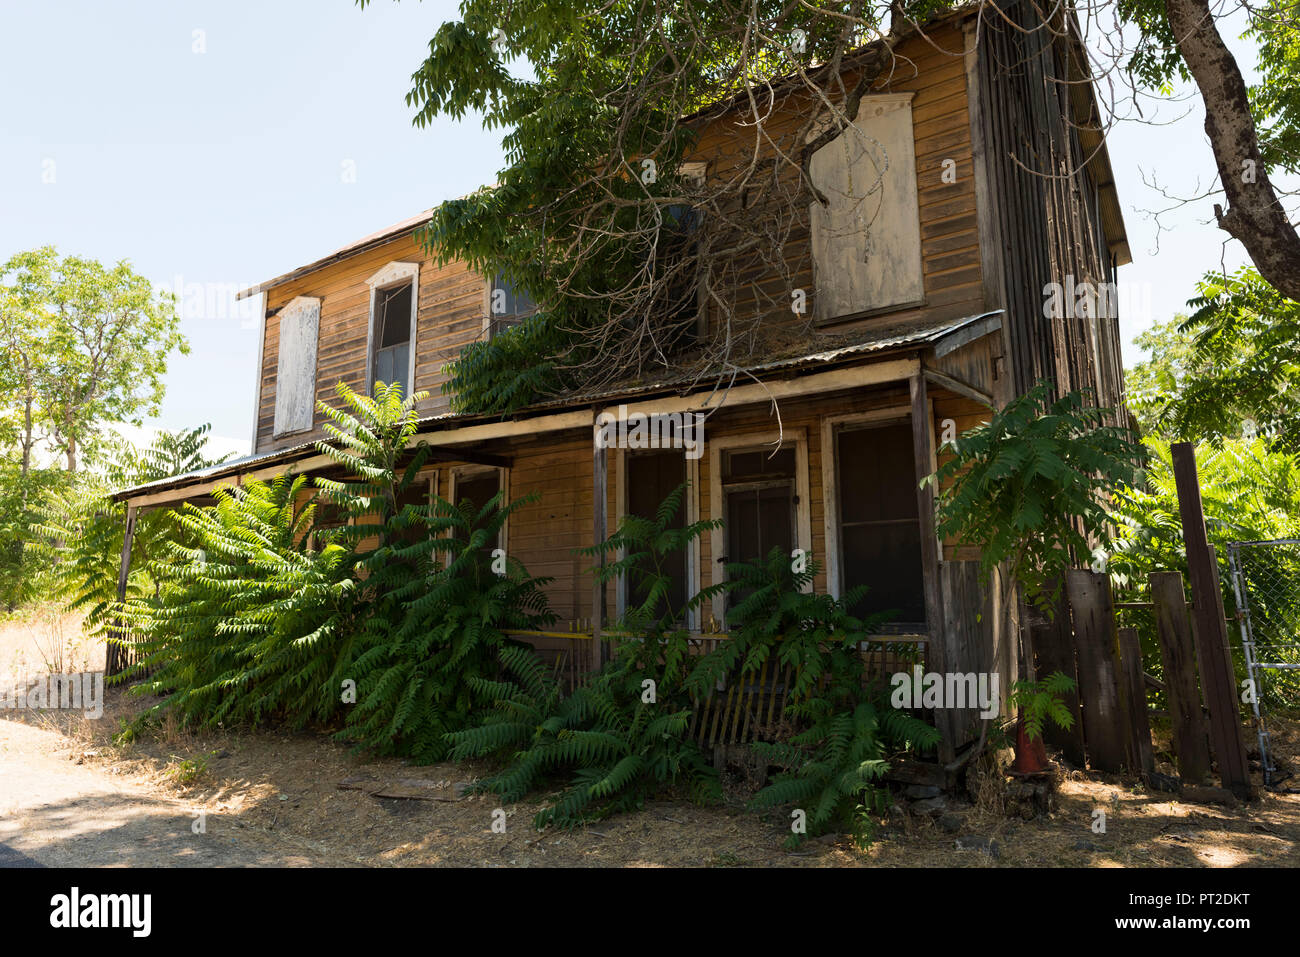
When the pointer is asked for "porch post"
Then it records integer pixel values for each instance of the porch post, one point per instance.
(937, 651)
(599, 504)
(114, 654)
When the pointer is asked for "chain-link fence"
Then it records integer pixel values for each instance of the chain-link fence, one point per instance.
(1266, 586)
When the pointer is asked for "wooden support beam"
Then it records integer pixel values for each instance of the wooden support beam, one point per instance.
(1211, 628)
(599, 532)
(940, 654)
(1178, 657)
(961, 388)
(115, 655)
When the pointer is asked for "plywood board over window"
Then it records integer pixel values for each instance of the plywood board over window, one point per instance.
(295, 377)
(867, 236)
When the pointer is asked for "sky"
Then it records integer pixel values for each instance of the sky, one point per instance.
(219, 144)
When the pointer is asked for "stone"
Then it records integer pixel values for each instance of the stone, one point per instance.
(931, 806)
(972, 842)
(950, 823)
(918, 792)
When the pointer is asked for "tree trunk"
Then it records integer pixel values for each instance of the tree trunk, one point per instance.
(1254, 215)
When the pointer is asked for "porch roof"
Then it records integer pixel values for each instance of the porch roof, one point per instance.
(938, 337)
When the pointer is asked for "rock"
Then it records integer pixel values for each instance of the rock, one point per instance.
(931, 806)
(919, 792)
(950, 823)
(971, 842)
(1085, 846)
(1210, 795)
(1156, 781)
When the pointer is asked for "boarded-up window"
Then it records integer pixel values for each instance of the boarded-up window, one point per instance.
(651, 476)
(295, 377)
(867, 239)
(880, 532)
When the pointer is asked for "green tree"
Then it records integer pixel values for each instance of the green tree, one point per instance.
(104, 337)
(1230, 370)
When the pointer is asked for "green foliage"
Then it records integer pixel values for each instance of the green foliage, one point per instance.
(1030, 487)
(87, 344)
(76, 531)
(250, 622)
(1240, 375)
(1040, 702)
(621, 736)
(847, 732)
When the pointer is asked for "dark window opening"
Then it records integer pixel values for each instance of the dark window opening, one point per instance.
(392, 338)
(880, 531)
(478, 490)
(758, 488)
(651, 476)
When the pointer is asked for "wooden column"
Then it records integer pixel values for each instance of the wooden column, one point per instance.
(939, 654)
(599, 532)
(115, 655)
(1211, 628)
(1178, 655)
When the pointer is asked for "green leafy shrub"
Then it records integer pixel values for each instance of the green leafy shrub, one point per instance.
(846, 732)
(621, 736)
(1032, 486)
(1041, 701)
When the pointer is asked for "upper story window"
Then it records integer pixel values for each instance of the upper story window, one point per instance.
(394, 294)
(866, 239)
(507, 305)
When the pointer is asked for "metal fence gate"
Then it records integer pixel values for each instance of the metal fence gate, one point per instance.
(1266, 585)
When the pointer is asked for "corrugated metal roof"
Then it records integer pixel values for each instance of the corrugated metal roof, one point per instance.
(882, 340)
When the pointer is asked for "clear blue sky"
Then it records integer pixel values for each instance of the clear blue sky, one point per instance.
(216, 169)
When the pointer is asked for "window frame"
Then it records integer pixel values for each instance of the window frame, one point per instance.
(830, 428)
(459, 472)
(394, 274)
(691, 502)
(489, 284)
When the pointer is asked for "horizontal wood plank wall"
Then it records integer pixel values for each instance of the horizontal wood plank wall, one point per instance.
(932, 68)
(450, 314)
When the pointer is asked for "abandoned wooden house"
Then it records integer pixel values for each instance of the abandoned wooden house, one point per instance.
(948, 325)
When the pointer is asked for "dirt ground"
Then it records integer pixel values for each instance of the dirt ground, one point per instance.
(69, 796)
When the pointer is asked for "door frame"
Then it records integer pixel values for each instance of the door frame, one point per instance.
(767, 439)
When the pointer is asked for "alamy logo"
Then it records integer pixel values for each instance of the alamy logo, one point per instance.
(941, 691)
(83, 691)
(74, 910)
(656, 430)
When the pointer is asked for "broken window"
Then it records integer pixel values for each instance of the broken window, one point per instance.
(508, 305)
(880, 528)
(392, 335)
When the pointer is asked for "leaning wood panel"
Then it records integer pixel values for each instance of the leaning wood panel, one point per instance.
(1105, 725)
(1135, 700)
(1178, 657)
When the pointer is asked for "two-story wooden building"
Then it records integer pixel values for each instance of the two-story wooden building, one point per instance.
(998, 186)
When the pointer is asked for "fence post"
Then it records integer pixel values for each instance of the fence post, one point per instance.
(1178, 655)
(1104, 719)
(1211, 628)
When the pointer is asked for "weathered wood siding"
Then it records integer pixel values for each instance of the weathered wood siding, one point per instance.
(450, 315)
(1044, 194)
